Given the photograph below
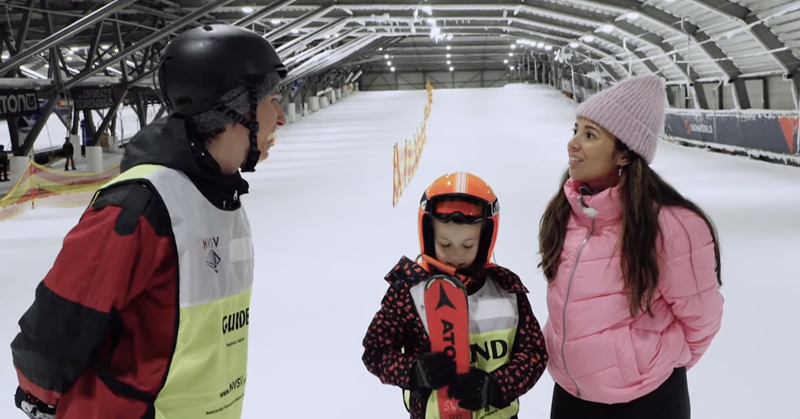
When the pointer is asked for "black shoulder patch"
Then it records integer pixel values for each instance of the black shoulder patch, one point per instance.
(136, 198)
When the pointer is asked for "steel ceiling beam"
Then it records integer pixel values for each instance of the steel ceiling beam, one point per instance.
(144, 43)
(298, 23)
(263, 12)
(623, 28)
(69, 14)
(648, 62)
(347, 59)
(322, 45)
(66, 33)
(669, 22)
(297, 43)
(332, 57)
(654, 15)
(759, 31)
(749, 22)
(559, 41)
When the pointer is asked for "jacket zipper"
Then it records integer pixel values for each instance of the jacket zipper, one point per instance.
(566, 300)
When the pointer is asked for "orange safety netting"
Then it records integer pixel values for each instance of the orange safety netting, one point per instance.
(41, 185)
(406, 159)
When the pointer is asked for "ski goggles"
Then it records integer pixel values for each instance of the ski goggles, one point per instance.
(462, 210)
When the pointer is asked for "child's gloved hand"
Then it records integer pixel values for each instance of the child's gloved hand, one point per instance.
(433, 370)
(33, 407)
(476, 390)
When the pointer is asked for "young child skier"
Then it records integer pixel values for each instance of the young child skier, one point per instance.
(458, 222)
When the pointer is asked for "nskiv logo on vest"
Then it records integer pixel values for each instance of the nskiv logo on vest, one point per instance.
(213, 259)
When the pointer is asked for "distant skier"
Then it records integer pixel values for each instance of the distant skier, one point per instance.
(69, 154)
(3, 164)
(117, 330)
(458, 223)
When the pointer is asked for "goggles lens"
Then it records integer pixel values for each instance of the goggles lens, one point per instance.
(460, 210)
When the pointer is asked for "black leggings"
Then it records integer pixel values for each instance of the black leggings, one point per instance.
(668, 401)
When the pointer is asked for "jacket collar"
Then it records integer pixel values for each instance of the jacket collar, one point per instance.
(604, 207)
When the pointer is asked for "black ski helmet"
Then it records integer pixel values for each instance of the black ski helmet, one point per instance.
(202, 64)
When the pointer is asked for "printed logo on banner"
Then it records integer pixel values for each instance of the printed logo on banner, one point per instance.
(697, 127)
(88, 98)
(789, 125)
(18, 103)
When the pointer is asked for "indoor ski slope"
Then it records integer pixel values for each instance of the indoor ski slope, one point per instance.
(325, 234)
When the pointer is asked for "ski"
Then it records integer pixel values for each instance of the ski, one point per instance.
(447, 316)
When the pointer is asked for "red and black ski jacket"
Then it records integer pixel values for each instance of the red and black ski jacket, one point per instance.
(106, 315)
(397, 325)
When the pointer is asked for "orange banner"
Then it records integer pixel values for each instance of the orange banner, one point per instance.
(406, 160)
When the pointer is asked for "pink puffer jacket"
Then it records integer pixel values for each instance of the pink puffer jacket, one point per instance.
(598, 351)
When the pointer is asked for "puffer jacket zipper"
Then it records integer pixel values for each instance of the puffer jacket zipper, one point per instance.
(591, 212)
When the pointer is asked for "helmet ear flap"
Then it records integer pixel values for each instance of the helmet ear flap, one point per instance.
(428, 245)
(487, 232)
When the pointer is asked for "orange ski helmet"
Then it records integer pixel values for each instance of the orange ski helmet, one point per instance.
(465, 199)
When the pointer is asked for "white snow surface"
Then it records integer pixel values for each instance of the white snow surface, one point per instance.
(325, 234)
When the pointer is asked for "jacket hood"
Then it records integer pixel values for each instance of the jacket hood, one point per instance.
(165, 142)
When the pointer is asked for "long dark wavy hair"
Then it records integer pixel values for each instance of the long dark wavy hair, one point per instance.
(640, 189)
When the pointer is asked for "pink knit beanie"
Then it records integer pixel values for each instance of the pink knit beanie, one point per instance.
(633, 111)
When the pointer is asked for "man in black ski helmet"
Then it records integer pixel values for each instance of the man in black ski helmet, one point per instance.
(116, 329)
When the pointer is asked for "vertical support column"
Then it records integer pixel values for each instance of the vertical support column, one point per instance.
(94, 159)
(291, 112)
(17, 166)
(700, 99)
(740, 93)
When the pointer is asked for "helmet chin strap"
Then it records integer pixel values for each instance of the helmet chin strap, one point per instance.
(253, 153)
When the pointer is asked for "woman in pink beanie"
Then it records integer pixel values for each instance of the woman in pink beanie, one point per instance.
(633, 268)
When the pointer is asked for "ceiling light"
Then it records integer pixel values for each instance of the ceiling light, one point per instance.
(392, 68)
(540, 45)
(548, 47)
(276, 22)
(505, 61)
(295, 31)
(448, 62)
(389, 63)
(451, 68)
(574, 44)
(510, 54)
(632, 16)
(589, 38)
(386, 56)
(607, 28)
(448, 55)
(448, 47)
(247, 9)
